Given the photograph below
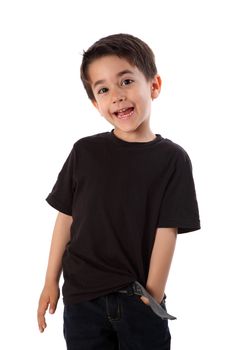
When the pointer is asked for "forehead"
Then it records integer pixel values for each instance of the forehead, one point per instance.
(109, 67)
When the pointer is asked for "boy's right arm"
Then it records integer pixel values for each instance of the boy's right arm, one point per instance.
(50, 293)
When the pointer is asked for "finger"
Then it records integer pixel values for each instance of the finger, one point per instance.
(53, 306)
(145, 300)
(41, 316)
(42, 326)
(41, 322)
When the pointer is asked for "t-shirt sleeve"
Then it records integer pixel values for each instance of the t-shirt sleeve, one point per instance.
(179, 207)
(61, 196)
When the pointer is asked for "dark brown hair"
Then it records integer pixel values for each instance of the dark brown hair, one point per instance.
(127, 46)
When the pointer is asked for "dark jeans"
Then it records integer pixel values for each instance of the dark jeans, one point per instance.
(115, 322)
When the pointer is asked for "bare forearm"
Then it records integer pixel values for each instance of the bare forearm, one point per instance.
(60, 238)
(160, 262)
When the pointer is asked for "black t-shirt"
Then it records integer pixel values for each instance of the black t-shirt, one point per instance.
(118, 193)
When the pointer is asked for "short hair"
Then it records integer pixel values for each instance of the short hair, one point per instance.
(126, 46)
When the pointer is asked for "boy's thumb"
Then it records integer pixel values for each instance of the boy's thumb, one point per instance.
(52, 308)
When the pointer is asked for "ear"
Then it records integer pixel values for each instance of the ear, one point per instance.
(156, 83)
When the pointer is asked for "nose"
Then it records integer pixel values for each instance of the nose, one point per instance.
(120, 99)
(118, 96)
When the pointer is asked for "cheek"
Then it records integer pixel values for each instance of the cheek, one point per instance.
(101, 106)
(142, 98)
(104, 110)
(142, 93)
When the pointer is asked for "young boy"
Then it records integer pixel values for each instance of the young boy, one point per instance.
(122, 197)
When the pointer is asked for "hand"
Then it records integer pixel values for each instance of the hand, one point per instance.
(145, 300)
(49, 297)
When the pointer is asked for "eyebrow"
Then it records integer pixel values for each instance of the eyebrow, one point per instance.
(126, 71)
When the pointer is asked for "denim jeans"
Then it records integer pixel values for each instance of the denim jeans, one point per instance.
(115, 321)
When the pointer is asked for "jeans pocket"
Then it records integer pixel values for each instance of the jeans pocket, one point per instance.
(162, 303)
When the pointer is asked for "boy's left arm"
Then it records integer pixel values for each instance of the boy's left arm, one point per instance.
(160, 262)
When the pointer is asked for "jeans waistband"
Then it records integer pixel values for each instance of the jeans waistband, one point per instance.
(136, 288)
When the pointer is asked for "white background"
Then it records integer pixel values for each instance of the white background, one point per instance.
(44, 110)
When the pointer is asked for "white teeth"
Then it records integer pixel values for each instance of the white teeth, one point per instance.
(122, 110)
(124, 116)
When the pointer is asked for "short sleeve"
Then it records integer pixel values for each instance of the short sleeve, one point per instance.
(61, 196)
(179, 207)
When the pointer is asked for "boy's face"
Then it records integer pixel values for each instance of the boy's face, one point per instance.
(123, 95)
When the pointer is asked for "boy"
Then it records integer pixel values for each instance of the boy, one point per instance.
(122, 197)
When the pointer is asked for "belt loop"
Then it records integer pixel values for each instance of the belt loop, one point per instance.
(130, 290)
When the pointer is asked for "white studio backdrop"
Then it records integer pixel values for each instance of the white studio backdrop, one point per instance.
(44, 110)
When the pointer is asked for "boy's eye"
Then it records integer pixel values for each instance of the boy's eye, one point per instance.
(102, 91)
(127, 81)
(124, 82)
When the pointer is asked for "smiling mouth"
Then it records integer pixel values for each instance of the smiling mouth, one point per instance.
(124, 113)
